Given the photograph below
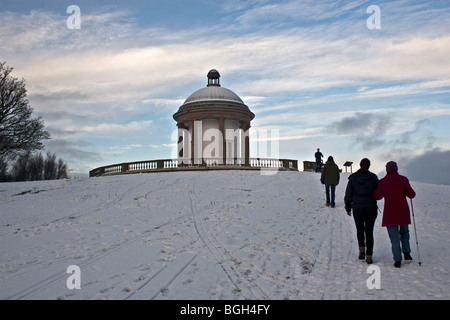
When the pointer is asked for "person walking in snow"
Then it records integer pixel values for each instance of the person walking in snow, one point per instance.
(318, 155)
(330, 178)
(359, 198)
(394, 188)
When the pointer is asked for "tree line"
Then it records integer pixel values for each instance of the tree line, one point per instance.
(21, 136)
(32, 167)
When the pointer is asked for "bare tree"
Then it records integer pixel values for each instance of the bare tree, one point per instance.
(19, 170)
(4, 174)
(19, 132)
(33, 167)
(36, 167)
(63, 170)
(50, 167)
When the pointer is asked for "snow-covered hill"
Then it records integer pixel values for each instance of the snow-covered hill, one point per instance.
(208, 235)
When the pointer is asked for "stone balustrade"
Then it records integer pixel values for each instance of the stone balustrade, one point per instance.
(206, 164)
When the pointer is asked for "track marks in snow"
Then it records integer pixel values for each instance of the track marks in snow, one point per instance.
(336, 275)
(159, 282)
(224, 224)
(229, 263)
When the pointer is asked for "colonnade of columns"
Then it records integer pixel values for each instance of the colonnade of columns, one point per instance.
(192, 150)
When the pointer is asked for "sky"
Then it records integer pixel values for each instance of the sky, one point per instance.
(341, 76)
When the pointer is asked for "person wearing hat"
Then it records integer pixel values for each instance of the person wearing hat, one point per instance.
(359, 198)
(394, 188)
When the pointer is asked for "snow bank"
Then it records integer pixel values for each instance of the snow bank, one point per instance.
(208, 235)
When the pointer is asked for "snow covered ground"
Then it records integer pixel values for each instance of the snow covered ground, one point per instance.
(208, 235)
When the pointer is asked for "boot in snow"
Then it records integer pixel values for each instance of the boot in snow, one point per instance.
(369, 259)
(407, 256)
(362, 253)
(397, 264)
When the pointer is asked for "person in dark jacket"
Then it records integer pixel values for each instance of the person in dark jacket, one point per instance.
(359, 198)
(394, 188)
(318, 155)
(330, 178)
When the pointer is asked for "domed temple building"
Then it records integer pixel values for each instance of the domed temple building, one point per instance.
(213, 126)
(213, 133)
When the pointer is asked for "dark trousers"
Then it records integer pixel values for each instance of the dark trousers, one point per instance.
(365, 221)
(330, 189)
(318, 165)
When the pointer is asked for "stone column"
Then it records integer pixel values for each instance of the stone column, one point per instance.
(192, 144)
(223, 146)
(181, 147)
(245, 126)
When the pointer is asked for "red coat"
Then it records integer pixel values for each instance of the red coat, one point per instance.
(394, 188)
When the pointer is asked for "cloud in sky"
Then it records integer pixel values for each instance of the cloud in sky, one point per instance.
(307, 67)
(368, 129)
(362, 123)
(429, 167)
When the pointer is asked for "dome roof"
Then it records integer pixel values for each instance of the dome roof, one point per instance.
(213, 95)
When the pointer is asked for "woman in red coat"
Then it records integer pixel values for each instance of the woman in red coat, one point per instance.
(396, 216)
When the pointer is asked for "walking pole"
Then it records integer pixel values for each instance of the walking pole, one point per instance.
(415, 232)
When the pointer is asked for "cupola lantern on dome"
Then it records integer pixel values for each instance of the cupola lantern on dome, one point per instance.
(213, 78)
